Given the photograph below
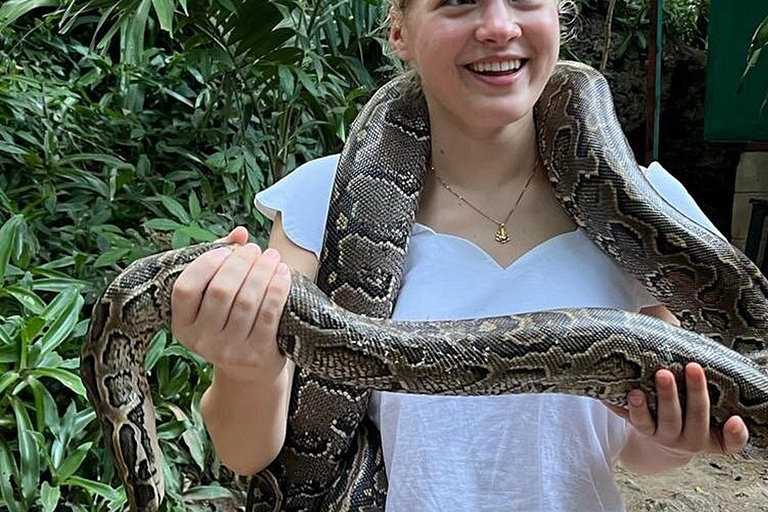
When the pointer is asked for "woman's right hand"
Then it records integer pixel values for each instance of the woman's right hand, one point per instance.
(226, 306)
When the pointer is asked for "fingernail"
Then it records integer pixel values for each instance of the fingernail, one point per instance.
(636, 399)
(282, 269)
(270, 253)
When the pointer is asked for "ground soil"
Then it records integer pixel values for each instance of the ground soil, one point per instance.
(707, 484)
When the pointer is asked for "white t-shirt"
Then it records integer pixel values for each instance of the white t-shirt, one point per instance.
(540, 452)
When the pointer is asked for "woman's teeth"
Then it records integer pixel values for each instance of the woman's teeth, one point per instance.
(496, 67)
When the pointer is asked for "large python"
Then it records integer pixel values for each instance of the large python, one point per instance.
(331, 459)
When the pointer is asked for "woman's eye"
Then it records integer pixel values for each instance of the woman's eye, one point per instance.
(458, 3)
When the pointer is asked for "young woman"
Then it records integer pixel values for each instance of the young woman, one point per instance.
(482, 64)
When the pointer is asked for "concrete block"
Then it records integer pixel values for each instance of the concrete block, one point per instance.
(752, 173)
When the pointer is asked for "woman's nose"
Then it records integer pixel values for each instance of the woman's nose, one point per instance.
(499, 22)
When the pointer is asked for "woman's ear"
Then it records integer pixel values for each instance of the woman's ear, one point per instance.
(398, 34)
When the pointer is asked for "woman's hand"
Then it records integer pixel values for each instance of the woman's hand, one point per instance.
(226, 306)
(676, 435)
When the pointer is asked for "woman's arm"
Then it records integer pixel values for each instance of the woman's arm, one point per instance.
(246, 414)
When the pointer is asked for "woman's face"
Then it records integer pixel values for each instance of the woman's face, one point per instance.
(482, 63)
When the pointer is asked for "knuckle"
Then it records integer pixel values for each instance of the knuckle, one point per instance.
(183, 291)
(218, 292)
(269, 315)
(245, 302)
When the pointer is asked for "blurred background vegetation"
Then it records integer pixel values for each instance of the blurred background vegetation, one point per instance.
(128, 127)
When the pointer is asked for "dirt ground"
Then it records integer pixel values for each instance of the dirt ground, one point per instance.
(706, 484)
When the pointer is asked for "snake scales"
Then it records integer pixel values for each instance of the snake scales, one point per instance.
(331, 459)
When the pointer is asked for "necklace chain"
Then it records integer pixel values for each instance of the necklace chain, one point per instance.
(501, 235)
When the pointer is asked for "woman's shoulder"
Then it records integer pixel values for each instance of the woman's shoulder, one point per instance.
(302, 198)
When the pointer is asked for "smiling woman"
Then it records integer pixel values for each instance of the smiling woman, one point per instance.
(490, 239)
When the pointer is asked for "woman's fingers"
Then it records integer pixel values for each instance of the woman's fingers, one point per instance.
(684, 431)
(696, 427)
(272, 306)
(639, 414)
(239, 236)
(734, 436)
(245, 307)
(190, 286)
(669, 412)
(224, 287)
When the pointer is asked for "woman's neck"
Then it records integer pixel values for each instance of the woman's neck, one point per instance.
(483, 159)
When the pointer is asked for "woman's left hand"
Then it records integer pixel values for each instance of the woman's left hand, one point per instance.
(676, 435)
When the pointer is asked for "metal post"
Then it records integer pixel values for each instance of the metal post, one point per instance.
(653, 81)
(659, 54)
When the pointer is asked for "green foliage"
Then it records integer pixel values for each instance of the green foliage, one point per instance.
(684, 20)
(126, 128)
(757, 44)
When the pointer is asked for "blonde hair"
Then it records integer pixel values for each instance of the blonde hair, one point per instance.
(567, 9)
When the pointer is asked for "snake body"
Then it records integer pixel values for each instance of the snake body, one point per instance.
(331, 459)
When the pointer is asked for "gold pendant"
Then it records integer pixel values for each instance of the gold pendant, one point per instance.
(501, 234)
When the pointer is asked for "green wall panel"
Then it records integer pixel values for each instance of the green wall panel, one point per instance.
(733, 114)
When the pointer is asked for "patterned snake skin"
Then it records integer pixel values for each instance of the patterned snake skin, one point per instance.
(332, 459)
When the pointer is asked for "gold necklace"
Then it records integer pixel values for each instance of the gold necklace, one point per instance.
(501, 235)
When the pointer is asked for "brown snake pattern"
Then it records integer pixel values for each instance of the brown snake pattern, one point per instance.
(331, 459)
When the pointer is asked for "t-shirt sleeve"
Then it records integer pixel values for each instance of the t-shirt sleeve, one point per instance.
(675, 195)
(302, 198)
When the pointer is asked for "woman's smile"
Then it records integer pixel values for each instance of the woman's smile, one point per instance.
(498, 71)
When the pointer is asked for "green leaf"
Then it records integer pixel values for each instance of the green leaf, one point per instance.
(13, 149)
(198, 234)
(59, 305)
(109, 160)
(163, 224)
(194, 205)
(111, 257)
(99, 488)
(9, 354)
(180, 239)
(196, 446)
(171, 430)
(176, 209)
(164, 11)
(7, 470)
(156, 349)
(286, 80)
(64, 323)
(4, 338)
(7, 379)
(43, 401)
(179, 379)
(58, 284)
(33, 327)
(12, 10)
(207, 492)
(7, 235)
(28, 299)
(71, 464)
(28, 452)
(49, 497)
(68, 379)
